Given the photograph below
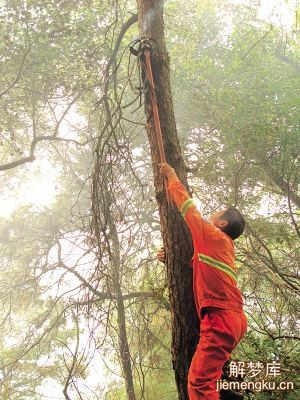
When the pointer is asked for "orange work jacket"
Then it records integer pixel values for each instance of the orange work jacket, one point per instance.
(214, 272)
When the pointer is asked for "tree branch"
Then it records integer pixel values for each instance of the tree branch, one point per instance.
(109, 296)
(18, 73)
(53, 137)
(283, 185)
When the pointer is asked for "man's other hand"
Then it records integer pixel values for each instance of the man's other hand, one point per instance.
(161, 255)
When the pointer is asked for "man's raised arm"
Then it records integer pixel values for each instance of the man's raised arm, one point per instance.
(184, 203)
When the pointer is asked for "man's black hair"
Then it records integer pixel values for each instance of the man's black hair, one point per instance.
(236, 223)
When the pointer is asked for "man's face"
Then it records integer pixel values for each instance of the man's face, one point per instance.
(216, 219)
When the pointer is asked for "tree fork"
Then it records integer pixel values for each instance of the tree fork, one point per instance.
(176, 237)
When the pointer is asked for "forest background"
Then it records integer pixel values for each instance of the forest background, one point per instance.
(78, 293)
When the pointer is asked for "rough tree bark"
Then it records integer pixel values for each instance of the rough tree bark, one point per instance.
(176, 237)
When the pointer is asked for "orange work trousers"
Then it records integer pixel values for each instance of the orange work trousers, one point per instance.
(220, 332)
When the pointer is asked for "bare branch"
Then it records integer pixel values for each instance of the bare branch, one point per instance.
(53, 137)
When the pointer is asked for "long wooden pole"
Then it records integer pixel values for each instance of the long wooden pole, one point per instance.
(157, 127)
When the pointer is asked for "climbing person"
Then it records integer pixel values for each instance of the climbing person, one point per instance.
(218, 300)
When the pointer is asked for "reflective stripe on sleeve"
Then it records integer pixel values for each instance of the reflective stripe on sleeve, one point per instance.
(218, 264)
(186, 205)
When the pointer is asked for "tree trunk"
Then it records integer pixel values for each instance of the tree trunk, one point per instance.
(121, 317)
(104, 225)
(176, 237)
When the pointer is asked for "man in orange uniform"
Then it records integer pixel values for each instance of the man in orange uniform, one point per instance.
(218, 300)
